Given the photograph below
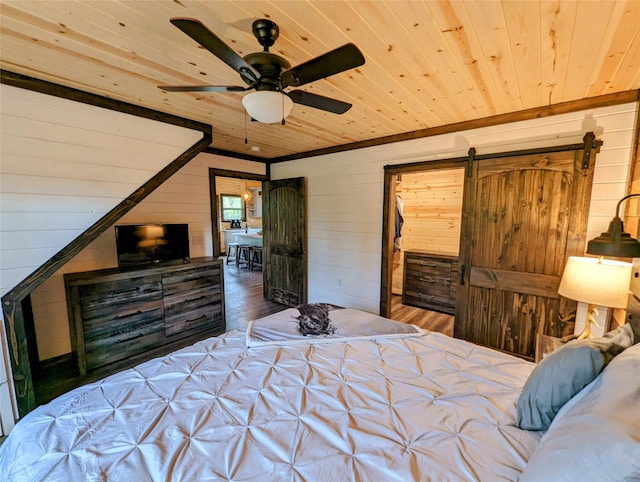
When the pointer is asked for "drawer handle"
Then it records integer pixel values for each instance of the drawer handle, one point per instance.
(123, 292)
(131, 338)
(118, 317)
(196, 299)
(430, 265)
(196, 319)
(427, 280)
(428, 297)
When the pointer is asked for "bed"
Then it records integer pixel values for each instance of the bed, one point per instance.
(365, 399)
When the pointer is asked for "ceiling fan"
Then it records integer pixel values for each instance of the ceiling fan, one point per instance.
(269, 74)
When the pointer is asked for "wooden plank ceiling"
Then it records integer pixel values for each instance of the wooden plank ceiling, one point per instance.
(428, 63)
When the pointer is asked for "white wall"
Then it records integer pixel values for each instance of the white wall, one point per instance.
(66, 164)
(345, 191)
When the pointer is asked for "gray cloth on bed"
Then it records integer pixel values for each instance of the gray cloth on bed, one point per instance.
(346, 324)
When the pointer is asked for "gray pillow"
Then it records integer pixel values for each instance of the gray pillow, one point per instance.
(562, 374)
(594, 438)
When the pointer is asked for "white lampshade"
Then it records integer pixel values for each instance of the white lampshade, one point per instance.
(267, 106)
(599, 282)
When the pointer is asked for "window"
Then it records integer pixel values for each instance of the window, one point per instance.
(232, 207)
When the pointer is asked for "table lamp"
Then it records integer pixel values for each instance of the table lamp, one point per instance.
(615, 241)
(597, 282)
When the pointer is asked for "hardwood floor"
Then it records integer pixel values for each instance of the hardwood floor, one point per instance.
(244, 301)
(243, 297)
(429, 320)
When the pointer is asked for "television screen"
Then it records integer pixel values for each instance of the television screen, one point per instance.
(146, 244)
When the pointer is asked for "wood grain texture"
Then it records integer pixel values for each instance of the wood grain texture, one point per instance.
(432, 213)
(284, 241)
(116, 315)
(522, 221)
(427, 319)
(430, 281)
(500, 279)
(428, 64)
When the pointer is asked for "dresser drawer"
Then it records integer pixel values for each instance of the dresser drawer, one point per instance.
(192, 301)
(112, 296)
(111, 341)
(433, 285)
(431, 266)
(119, 316)
(191, 279)
(429, 282)
(192, 312)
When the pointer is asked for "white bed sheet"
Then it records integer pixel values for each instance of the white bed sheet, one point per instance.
(394, 409)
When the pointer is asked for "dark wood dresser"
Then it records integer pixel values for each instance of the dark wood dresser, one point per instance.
(120, 316)
(430, 281)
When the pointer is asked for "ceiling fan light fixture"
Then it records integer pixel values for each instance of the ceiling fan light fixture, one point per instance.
(267, 106)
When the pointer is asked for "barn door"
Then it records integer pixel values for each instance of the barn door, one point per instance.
(522, 217)
(284, 241)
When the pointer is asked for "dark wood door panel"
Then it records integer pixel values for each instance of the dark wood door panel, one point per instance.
(537, 284)
(506, 320)
(284, 241)
(523, 216)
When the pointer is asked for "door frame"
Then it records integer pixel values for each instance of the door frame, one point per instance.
(388, 209)
(213, 174)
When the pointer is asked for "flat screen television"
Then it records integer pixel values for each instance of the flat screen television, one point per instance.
(141, 245)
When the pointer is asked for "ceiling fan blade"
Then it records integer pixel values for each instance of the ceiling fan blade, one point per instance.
(319, 102)
(343, 58)
(203, 88)
(210, 41)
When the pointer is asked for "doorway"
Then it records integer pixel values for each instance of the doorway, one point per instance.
(235, 198)
(427, 207)
(243, 287)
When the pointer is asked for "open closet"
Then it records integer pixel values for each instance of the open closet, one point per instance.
(427, 220)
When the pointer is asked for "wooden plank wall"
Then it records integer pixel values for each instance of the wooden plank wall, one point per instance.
(432, 215)
(64, 165)
(345, 191)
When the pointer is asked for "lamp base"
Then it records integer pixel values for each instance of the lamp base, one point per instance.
(591, 319)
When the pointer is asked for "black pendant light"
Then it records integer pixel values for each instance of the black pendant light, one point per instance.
(615, 242)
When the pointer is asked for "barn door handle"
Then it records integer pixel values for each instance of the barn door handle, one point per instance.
(463, 268)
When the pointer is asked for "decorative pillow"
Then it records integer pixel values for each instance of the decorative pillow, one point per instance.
(562, 374)
(596, 436)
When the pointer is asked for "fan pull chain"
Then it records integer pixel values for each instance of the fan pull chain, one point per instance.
(282, 94)
(246, 140)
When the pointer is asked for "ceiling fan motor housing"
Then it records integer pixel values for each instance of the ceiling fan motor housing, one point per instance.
(270, 66)
(266, 32)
